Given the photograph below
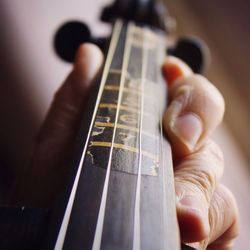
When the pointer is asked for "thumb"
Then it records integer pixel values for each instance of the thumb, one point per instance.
(46, 172)
(70, 99)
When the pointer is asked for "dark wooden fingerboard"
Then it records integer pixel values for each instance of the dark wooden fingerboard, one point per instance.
(123, 192)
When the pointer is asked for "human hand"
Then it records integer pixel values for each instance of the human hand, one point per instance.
(206, 210)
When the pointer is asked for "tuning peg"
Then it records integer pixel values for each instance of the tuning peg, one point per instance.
(70, 36)
(192, 51)
(150, 12)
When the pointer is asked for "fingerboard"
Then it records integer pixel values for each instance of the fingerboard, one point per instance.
(122, 195)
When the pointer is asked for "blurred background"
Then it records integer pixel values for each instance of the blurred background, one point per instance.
(30, 73)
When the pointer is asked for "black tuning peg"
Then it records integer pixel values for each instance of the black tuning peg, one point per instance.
(70, 36)
(148, 12)
(192, 51)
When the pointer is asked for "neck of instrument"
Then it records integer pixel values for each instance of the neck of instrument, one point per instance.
(122, 191)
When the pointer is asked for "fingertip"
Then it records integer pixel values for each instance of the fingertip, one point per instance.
(174, 69)
(195, 109)
(89, 50)
(193, 226)
(88, 61)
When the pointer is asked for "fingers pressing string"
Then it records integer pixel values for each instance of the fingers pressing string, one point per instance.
(196, 108)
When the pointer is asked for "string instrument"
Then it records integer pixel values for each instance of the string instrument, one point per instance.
(120, 194)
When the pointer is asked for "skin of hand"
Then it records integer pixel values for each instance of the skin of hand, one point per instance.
(206, 210)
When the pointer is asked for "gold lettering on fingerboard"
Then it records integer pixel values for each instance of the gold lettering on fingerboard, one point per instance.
(126, 137)
(112, 87)
(125, 90)
(122, 146)
(91, 156)
(115, 71)
(97, 130)
(129, 118)
(105, 119)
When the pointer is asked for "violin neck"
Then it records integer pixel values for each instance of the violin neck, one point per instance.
(122, 191)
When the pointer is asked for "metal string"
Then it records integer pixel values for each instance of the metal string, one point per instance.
(137, 238)
(66, 218)
(100, 220)
(162, 167)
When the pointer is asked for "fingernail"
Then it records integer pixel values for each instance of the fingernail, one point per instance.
(175, 68)
(171, 73)
(188, 128)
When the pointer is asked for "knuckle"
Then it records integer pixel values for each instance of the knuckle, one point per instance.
(212, 94)
(180, 92)
(198, 181)
(200, 96)
(61, 116)
(205, 182)
(201, 171)
(215, 151)
(212, 154)
(64, 107)
(208, 92)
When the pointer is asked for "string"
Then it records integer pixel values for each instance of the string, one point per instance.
(137, 229)
(169, 210)
(162, 163)
(65, 222)
(100, 220)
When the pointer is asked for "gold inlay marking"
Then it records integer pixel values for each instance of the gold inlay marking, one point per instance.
(122, 146)
(122, 107)
(121, 126)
